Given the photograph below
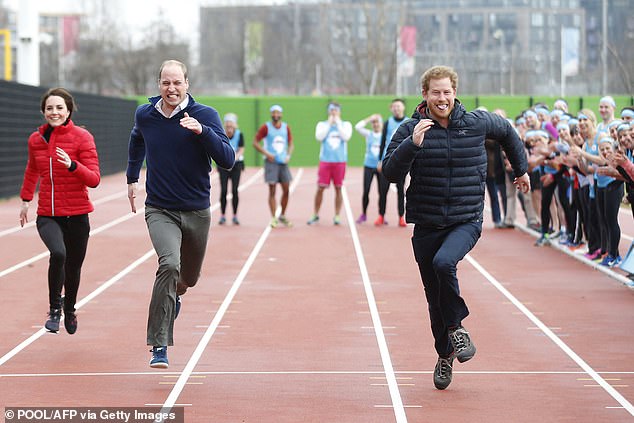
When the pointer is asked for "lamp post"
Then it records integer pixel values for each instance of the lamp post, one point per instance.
(498, 34)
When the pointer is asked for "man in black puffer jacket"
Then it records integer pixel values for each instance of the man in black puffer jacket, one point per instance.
(442, 148)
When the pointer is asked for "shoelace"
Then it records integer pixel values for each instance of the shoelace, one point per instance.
(459, 340)
(444, 368)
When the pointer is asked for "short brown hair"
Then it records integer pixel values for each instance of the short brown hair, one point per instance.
(172, 62)
(64, 94)
(439, 72)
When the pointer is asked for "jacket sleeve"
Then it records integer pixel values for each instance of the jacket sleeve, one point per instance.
(400, 154)
(31, 176)
(136, 152)
(215, 141)
(628, 167)
(501, 131)
(88, 163)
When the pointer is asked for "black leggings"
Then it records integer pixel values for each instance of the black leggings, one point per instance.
(608, 203)
(234, 175)
(66, 238)
(368, 176)
(562, 184)
(384, 187)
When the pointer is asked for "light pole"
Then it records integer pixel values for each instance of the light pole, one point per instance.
(498, 34)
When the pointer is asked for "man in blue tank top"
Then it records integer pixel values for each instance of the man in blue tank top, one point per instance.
(277, 150)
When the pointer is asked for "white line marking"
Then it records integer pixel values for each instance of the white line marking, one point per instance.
(204, 341)
(554, 338)
(395, 395)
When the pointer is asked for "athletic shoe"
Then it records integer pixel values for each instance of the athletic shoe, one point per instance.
(564, 240)
(463, 348)
(535, 226)
(401, 222)
(235, 220)
(284, 221)
(336, 220)
(70, 322)
(617, 260)
(443, 372)
(274, 222)
(594, 255)
(542, 240)
(362, 218)
(54, 316)
(380, 221)
(159, 358)
(313, 219)
(177, 307)
(607, 260)
(222, 220)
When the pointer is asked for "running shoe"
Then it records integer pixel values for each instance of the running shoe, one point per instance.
(380, 221)
(443, 372)
(607, 260)
(274, 222)
(542, 240)
(463, 348)
(284, 221)
(54, 316)
(617, 260)
(336, 220)
(235, 220)
(362, 218)
(159, 358)
(70, 322)
(401, 222)
(594, 255)
(222, 220)
(313, 219)
(177, 307)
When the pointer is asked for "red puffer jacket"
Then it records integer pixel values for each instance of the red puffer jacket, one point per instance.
(63, 192)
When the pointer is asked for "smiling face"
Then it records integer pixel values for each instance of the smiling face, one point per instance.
(440, 98)
(55, 111)
(173, 86)
(606, 150)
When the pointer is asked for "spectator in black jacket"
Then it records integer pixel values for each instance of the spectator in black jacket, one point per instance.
(442, 148)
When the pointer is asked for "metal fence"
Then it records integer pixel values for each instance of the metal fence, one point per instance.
(108, 119)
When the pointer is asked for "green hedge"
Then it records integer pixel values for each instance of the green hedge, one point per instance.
(303, 113)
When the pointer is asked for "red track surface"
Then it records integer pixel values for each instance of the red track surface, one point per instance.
(281, 327)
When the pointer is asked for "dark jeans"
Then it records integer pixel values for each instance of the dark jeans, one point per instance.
(496, 190)
(234, 176)
(66, 237)
(593, 234)
(384, 188)
(608, 203)
(437, 252)
(561, 183)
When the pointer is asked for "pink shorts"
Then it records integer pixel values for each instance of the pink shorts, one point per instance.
(331, 172)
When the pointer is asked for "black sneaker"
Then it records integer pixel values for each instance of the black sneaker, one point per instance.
(70, 323)
(463, 348)
(52, 324)
(443, 372)
(159, 358)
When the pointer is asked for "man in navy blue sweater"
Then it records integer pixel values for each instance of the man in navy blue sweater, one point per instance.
(178, 138)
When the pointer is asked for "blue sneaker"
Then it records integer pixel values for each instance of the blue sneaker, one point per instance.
(159, 358)
(607, 260)
(617, 260)
(177, 308)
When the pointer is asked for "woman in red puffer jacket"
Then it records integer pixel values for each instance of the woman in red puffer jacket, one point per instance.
(63, 158)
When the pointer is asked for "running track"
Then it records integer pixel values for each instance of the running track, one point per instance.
(317, 324)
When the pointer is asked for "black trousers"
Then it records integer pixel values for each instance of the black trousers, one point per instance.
(225, 176)
(384, 188)
(368, 176)
(437, 252)
(66, 238)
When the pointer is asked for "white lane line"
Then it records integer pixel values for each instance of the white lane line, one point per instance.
(204, 341)
(554, 338)
(112, 223)
(81, 303)
(104, 286)
(373, 374)
(397, 402)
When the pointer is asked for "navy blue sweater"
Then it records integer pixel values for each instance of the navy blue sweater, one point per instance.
(178, 160)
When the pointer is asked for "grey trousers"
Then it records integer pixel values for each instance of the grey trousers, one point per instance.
(180, 240)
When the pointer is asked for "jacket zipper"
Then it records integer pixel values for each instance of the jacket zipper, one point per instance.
(450, 173)
(50, 174)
